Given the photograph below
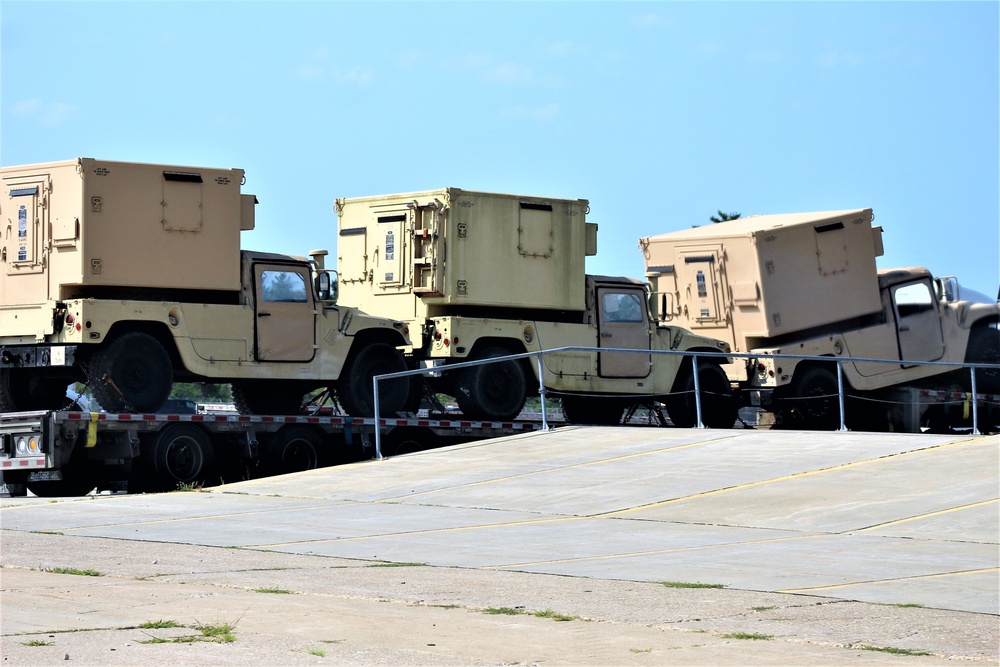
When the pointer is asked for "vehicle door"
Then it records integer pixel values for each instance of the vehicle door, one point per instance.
(622, 323)
(285, 313)
(918, 323)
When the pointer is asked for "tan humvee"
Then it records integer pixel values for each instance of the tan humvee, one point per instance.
(481, 275)
(807, 284)
(128, 276)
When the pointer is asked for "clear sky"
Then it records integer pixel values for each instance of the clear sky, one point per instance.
(659, 113)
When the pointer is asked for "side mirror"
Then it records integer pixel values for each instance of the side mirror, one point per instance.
(323, 286)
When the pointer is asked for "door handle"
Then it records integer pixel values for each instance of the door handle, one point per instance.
(606, 335)
(263, 314)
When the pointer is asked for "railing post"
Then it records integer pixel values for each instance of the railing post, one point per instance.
(840, 394)
(378, 428)
(541, 390)
(975, 406)
(697, 392)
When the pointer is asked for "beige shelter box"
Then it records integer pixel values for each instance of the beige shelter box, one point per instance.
(763, 277)
(84, 227)
(454, 247)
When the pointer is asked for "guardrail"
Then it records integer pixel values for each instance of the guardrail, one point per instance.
(540, 354)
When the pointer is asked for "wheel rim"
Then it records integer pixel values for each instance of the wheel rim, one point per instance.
(184, 458)
(298, 455)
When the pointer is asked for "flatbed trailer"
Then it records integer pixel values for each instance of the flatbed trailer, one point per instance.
(69, 453)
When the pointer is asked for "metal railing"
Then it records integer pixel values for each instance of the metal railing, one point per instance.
(540, 354)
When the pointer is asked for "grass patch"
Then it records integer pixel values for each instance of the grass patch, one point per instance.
(222, 632)
(37, 642)
(316, 651)
(907, 605)
(893, 651)
(555, 616)
(687, 584)
(398, 565)
(72, 570)
(279, 591)
(190, 486)
(159, 625)
(747, 635)
(640, 650)
(763, 608)
(504, 611)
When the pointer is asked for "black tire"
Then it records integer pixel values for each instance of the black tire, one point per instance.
(262, 397)
(181, 454)
(354, 387)
(812, 401)
(292, 449)
(592, 410)
(717, 407)
(131, 373)
(32, 389)
(79, 479)
(984, 348)
(491, 392)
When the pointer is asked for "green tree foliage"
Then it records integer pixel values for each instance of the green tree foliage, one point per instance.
(724, 217)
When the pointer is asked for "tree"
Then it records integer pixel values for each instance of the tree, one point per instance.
(724, 217)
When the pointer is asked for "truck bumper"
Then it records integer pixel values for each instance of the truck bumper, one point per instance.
(37, 356)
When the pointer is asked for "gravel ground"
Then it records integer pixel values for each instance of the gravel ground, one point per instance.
(281, 609)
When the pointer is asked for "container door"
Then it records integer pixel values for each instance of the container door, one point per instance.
(623, 324)
(699, 280)
(285, 313)
(26, 223)
(917, 322)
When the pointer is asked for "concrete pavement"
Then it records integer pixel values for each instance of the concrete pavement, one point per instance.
(807, 520)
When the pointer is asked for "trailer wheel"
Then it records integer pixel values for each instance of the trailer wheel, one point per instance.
(811, 401)
(292, 449)
(354, 388)
(79, 479)
(984, 348)
(182, 454)
(132, 372)
(592, 410)
(717, 407)
(493, 392)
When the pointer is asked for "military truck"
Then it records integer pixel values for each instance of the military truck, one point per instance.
(479, 275)
(130, 276)
(807, 284)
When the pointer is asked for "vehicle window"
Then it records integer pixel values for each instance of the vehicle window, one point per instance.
(622, 307)
(283, 286)
(914, 298)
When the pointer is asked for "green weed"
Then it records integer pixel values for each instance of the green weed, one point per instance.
(73, 570)
(747, 635)
(894, 651)
(685, 584)
(37, 642)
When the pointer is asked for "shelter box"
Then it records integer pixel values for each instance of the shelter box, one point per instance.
(84, 225)
(458, 247)
(769, 275)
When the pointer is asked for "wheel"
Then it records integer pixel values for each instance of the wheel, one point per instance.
(131, 373)
(592, 410)
(181, 454)
(492, 392)
(292, 449)
(984, 348)
(24, 389)
(811, 400)
(262, 397)
(79, 479)
(354, 387)
(717, 407)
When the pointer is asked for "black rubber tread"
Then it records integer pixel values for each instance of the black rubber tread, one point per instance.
(181, 454)
(131, 373)
(718, 410)
(491, 392)
(984, 348)
(354, 387)
(811, 400)
(594, 410)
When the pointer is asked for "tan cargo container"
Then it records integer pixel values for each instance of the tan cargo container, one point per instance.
(454, 247)
(75, 228)
(745, 279)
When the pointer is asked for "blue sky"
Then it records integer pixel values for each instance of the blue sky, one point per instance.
(659, 113)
